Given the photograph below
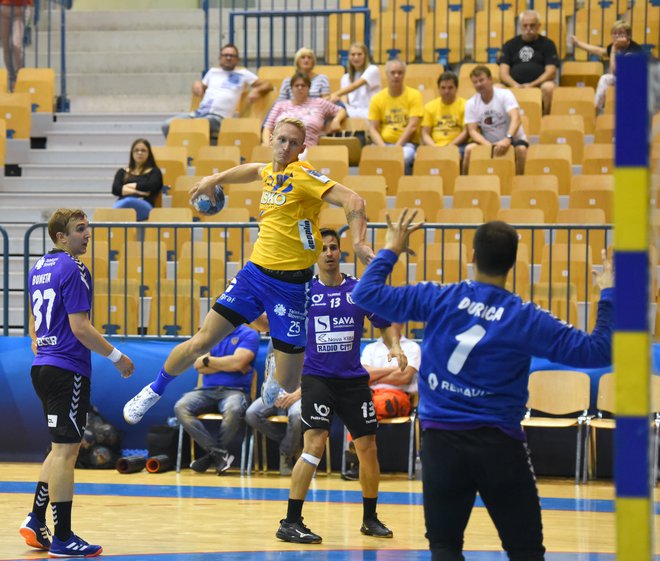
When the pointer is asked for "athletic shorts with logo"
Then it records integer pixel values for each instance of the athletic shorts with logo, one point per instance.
(349, 398)
(252, 292)
(64, 397)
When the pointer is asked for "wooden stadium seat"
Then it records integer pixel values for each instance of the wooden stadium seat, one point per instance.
(439, 160)
(343, 30)
(275, 74)
(424, 77)
(493, 28)
(420, 191)
(3, 142)
(532, 238)
(478, 191)
(39, 83)
(598, 159)
(604, 131)
(192, 134)
(117, 235)
(443, 38)
(115, 309)
(605, 404)
(383, 160)
(372, 189)
(261, 154)
(482, 162)
(180, 194)
(144, 263)
(416, 238)
(596, 239)
(174, 311)
(332, 217)
(580, 73)
(560, 392)
(560, 300)
(204, 262)
(459, 216)
(518, 280)
(236, 238)
(172, 161)
(347, 137)
(334, 72)
(564, 129)
(247, 195)
(329, 160)
(548, 159)
(450, 266)
(173, 237)
(241, 132)
(610, 99)
(575, 101)
(536, 192)
(566, 270)
(4, 80)
(260, 108)
(393, 37)
(97, 259)
(15, 110)
(529, 100)
(214, 159)
(593, 191)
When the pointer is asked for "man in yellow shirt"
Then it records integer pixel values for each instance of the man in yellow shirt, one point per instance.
(395, 113)
(276, 277)
(443, 123)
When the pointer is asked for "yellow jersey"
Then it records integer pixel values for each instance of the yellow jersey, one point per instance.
(446, 121)
(393, 113)
(289, 238)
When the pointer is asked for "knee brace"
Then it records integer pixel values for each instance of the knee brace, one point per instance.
(311, 459)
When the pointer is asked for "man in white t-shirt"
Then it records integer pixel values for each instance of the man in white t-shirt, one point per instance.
(221, 90)
(492, 117)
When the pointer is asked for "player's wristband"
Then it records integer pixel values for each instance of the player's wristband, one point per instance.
(115, 355)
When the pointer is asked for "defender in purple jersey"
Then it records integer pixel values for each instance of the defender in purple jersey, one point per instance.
(334, 381)
(476, 354)
(60, 288)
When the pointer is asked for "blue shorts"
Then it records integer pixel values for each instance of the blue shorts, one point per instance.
(252, 292)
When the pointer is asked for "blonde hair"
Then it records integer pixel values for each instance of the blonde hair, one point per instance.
(624, 25)
(292, 121)
(61, 219)
(302, 52)
(367, 59)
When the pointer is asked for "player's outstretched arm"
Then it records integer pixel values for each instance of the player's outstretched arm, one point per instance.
(85, 332)
(356, 216)
(398, 233)
(392, 338)
(245, 173)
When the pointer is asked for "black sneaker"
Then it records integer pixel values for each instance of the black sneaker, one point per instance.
(296, 532)
(223, 461)
(374, 527)
(200, 465)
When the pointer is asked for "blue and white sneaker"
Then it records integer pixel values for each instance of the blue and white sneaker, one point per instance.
(35, 532)
(135, 408)
(73, 547)
(270, 391)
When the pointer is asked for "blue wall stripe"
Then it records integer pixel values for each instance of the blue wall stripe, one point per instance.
(631, 464)
(632, 116)
(632, 287)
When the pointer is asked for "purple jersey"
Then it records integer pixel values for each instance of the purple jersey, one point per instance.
(60, 285)
(334, 331)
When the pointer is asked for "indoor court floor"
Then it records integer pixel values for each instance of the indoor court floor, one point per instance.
(195, 517)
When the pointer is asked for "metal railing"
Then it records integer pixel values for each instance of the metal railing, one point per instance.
(5, 281)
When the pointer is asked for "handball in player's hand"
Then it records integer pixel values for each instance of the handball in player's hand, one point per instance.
(202, 203)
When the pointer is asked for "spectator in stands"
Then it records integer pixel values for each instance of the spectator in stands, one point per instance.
(395, 113)
(13, 17)
(530, 60)
(226, 382)
(492, 117)
(288, 435)
(138, 185)
(313, 112)
(443, 123)
(359, 84)
(221, 90)
(304, 60)
(622, 43)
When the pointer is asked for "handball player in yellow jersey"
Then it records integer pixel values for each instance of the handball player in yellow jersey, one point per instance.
(275, 280)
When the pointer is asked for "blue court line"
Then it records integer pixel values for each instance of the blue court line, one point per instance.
(269, 494)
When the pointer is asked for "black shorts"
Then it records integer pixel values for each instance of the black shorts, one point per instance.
(64, 397)
(349, 398)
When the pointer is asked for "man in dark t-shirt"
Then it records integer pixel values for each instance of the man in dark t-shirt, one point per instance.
(530, 60)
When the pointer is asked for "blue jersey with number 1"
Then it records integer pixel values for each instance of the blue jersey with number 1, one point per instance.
(478, 344)
(60, 285)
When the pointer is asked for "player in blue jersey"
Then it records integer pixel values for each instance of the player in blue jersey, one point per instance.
(60, 288)
(334, 381)
(476, 354)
